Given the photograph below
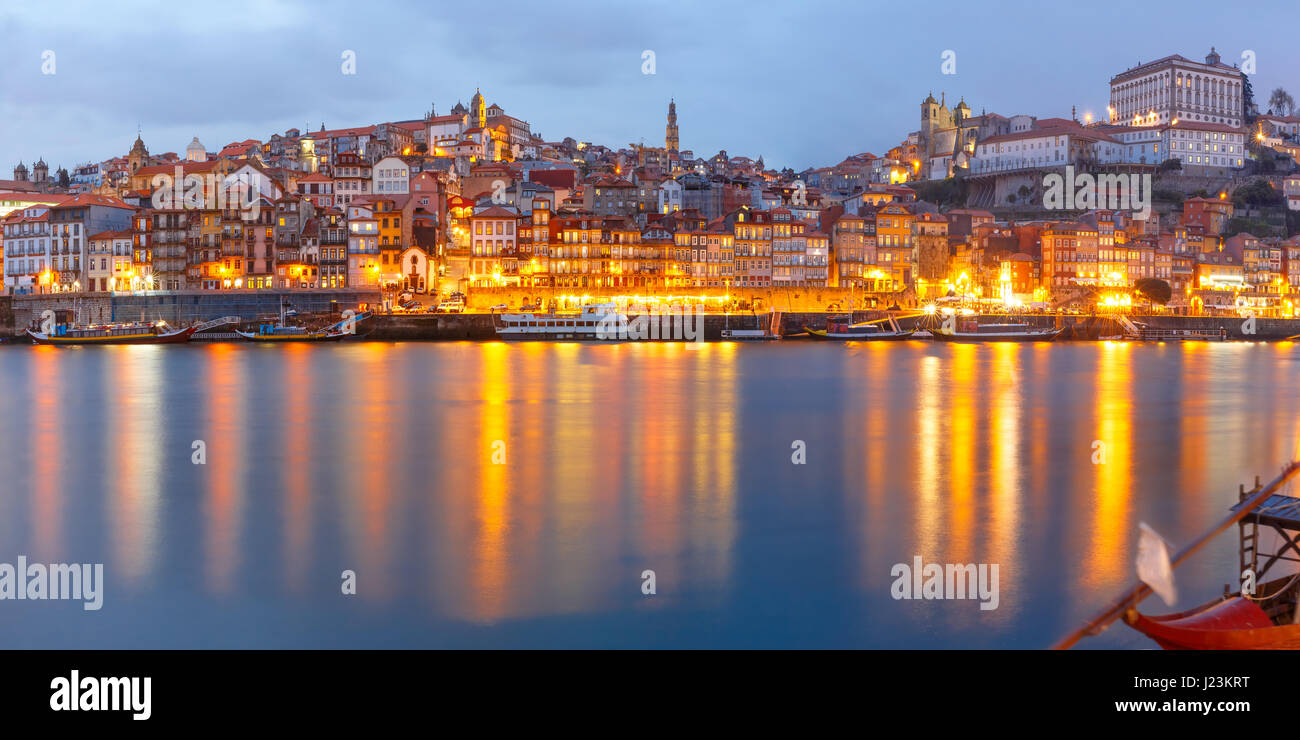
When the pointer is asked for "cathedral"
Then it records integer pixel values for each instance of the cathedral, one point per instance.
(947, 137)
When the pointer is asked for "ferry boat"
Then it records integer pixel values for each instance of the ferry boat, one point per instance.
(119, 333)
(600, 321)
(970, 331)
(865, 332)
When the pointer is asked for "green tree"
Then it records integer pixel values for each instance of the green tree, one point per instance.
(1154, 290)
(1173, 163)
(1258, 193)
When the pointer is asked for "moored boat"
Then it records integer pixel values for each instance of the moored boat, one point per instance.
(282, 333)
(272, 333)
(134, 333)
(1264, 621)
(748, 335)
(865, 332)
(1260, 615)
(975, 332)
(596, 321)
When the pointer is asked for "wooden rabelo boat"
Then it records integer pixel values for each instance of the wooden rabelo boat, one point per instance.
(971, 331)
(1261, 617)
(269, 333)
(280, 332)
(1263, 621)
(871, 331)
(158, 333)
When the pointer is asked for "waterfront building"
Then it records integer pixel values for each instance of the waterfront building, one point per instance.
(109, 261)
(363, 247)
(142, 277)
(752, 230)
(27, 257)
(493, 238)
(1069, 256)
(205, 269)
(894, 243)
(1175, 87)
(71, 224)
(333, 230)
(293, 269)
(170, 245)
(933, 256)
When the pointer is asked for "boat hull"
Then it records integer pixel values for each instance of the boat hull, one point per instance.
(878, 336)
(1232, 623)
(1030, 336)
(175, 337)
(281, 338)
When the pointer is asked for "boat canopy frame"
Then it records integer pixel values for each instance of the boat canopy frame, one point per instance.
(1280, 513)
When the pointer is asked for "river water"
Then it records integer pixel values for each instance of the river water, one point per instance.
(514, 495)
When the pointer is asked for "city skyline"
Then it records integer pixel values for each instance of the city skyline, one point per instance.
(575, 79)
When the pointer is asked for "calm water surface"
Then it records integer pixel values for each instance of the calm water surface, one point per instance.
(378, 458)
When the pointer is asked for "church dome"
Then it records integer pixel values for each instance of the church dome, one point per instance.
(196, 152)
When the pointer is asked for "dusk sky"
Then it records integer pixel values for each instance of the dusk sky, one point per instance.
(802, 83)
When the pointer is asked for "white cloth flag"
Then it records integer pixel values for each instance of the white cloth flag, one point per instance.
(1153, 564)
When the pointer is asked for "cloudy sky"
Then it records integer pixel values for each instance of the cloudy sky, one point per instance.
(800, 82)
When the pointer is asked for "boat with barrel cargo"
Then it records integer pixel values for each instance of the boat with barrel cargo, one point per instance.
(281, 332)
(273, 333)
(117, 333)
(870, 331)
(970, 330)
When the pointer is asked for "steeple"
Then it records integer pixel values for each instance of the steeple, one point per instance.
(671, 140)
(478, 110)
(138, 156)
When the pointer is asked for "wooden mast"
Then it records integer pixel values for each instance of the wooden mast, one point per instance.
(1140, 591)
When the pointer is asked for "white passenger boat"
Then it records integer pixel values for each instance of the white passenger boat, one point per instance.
(599, 321)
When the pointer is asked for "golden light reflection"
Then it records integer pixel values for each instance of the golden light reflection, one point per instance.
(713, 471)
(490, 563)
(929, 508)
(225, 433)
(1004, 464)
(130, 387)
(47, 498)
(370, 488)
(296, 422)
(1109, 555)
(960, 446)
